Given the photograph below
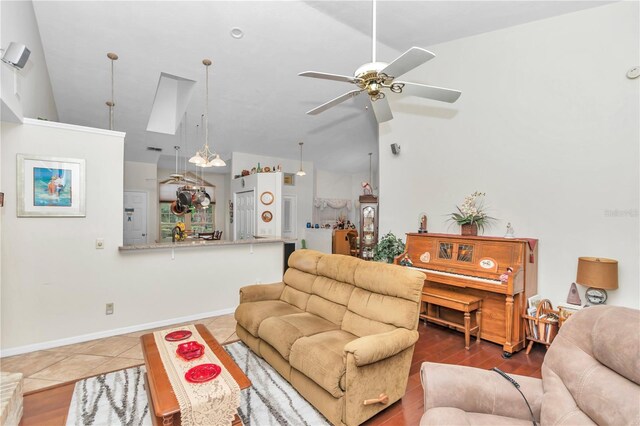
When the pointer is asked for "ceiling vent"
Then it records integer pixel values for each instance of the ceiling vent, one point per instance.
(154, 148)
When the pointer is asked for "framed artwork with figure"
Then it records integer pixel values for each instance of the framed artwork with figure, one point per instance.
(50, 186)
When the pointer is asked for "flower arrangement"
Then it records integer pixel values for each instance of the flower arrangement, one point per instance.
(472, 212)
(388, 248)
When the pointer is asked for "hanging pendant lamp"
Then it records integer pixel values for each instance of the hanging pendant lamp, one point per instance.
(301, 172)
(111, 103)
(205, 157)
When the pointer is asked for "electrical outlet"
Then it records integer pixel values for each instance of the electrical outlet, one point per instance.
(99, 243)
(109, 310)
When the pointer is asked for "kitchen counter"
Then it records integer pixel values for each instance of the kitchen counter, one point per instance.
(202, 243)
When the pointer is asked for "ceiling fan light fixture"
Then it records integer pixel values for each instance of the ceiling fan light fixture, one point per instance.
(374, 78)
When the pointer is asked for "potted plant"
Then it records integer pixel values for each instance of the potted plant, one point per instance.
(388, 248)
(472, 216)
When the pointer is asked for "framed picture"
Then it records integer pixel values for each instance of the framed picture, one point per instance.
(50, 186)
(289, 179)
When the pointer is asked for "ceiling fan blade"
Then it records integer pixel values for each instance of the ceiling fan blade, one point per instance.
(431, 92)
(382, 110)
(327, 76)
(334, 102)
(407, 61)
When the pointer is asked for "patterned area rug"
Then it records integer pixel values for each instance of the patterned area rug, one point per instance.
(119, 398)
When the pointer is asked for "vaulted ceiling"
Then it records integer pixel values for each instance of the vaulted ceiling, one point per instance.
(258, 102)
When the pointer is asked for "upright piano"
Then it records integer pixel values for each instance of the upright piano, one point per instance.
(503, 271)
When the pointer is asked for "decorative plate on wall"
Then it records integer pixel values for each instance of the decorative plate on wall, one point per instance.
(266, 198)
(267, 216)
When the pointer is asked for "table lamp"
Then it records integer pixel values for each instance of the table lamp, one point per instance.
(599, 274)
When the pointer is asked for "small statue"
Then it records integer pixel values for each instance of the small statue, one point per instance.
(366, 188)
(423, 224)
(510, 233)
(405, 261)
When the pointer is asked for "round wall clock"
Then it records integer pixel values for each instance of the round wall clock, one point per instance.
(266, 198)
(267, 216)
(596, 296)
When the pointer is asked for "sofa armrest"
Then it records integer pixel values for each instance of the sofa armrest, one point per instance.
(480, 391)
(257, 292)
(369, 349)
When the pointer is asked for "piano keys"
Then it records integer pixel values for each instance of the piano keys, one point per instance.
(503, 271)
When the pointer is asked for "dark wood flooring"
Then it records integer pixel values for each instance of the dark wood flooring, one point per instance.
(436, 344)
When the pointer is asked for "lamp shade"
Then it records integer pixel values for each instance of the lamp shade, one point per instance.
(598, 272)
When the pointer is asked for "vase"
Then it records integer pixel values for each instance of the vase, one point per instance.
(469, 229)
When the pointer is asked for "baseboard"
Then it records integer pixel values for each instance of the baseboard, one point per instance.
(108, 333)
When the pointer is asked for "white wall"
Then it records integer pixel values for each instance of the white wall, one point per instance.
(18, 24)
(143, 177)
(55, 283)
(547, 125)
(303, 189)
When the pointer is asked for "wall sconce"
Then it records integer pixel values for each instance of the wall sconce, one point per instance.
(16, 55)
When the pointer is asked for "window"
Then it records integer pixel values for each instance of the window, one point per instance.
(199, 221)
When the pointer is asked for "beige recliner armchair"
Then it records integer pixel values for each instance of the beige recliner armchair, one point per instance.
(590, 375)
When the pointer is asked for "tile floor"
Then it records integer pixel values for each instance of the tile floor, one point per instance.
(43, 369)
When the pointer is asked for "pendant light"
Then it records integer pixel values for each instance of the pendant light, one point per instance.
(301, 172)
(204, 157)
(111, 103)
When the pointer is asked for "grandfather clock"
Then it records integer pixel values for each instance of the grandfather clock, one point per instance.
(368, 225)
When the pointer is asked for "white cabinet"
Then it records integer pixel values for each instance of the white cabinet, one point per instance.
(257, 206)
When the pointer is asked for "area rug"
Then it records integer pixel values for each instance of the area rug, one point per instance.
(119, 398)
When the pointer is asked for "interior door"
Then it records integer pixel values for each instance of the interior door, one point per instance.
(245, 215)
(135, 218)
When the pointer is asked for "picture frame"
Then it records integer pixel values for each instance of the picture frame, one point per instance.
(50, 186)
(289, 179)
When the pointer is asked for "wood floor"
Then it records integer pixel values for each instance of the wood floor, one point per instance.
(436, 344)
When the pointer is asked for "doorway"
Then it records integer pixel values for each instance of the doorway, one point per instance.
(135, 218)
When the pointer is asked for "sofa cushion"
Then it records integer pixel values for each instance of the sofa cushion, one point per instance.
(282, 332)
(297, 287)
(390, 280)
(378, 313)
(610, 329)
(305, 260)
(455, 416)
(329, 299)
(250, 315)
(339, 268)
(321, 357)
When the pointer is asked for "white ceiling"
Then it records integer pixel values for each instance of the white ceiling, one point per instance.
(258, 102)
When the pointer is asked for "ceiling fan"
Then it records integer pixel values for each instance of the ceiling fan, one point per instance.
(375, 78)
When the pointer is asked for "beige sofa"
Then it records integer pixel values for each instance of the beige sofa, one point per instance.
(339, 329)
(590, 375)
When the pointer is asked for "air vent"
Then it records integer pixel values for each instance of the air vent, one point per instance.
(154, 148)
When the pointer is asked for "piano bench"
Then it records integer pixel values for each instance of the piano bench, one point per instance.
(465, 303)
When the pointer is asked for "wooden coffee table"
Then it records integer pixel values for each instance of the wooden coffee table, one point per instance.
(163, 407)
